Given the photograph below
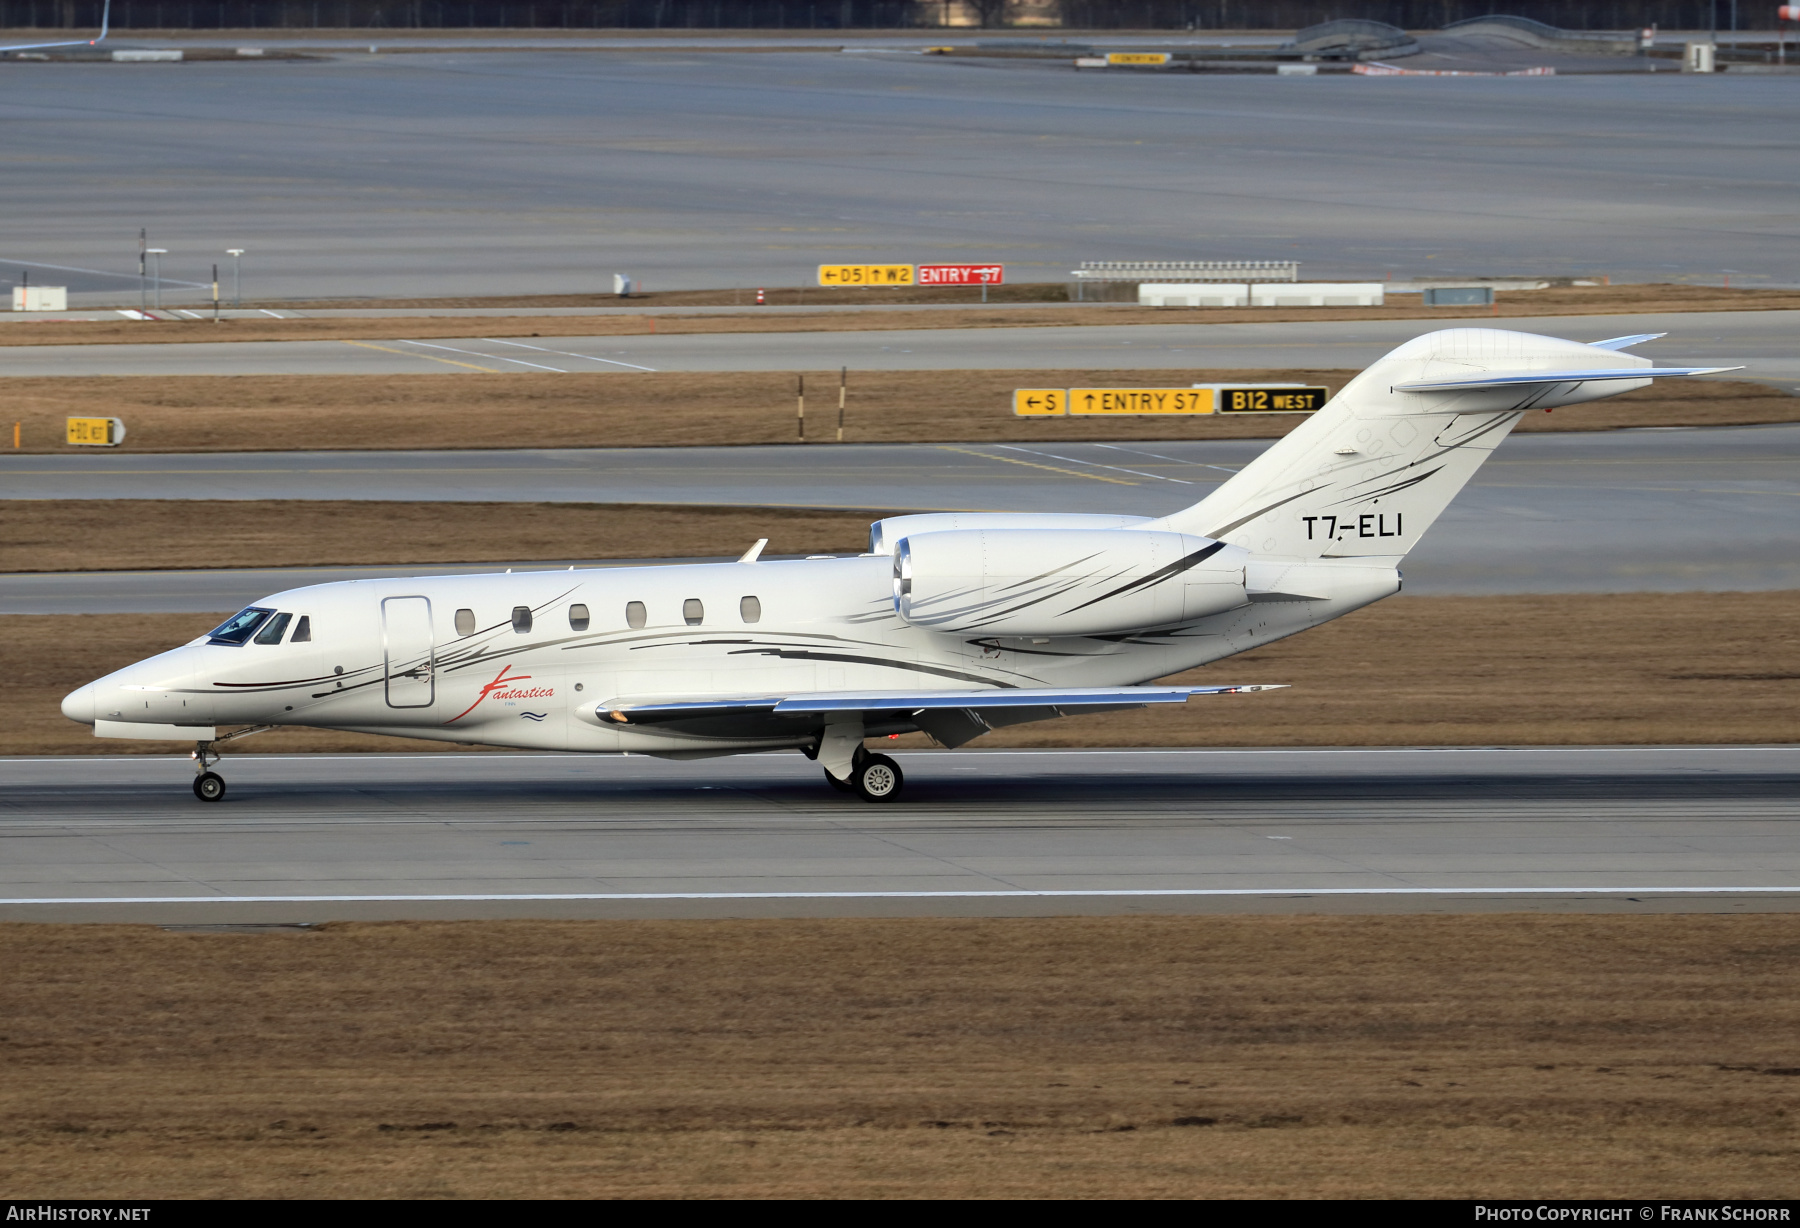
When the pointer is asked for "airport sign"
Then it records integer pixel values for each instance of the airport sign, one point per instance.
(962, 274)
(1138, 59)
(96, 432)
(1040, 402)
(1140, 400)
(1269, 398)
(865, 274)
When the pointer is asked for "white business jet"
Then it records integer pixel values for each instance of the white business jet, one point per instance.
(952, 623)
(105, 21)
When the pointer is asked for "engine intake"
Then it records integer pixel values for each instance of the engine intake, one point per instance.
(1043, 582)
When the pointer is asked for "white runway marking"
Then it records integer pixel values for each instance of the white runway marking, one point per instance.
(569, 354)
(536, 366)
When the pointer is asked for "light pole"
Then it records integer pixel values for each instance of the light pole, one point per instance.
(156, 254)
(143, 246)
(237, 275)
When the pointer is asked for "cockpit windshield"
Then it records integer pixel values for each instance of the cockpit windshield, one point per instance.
(237, 629)
(274, 629)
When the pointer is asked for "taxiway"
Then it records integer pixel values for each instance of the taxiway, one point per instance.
(1760, 340)
(1616, 511)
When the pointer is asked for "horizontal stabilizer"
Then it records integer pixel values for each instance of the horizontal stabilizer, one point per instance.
(1625, 343)
(1514, 379)
(920, 701)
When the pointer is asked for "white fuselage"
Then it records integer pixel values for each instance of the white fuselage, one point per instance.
(818, 625)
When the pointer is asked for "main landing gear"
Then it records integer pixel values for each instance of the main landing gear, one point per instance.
(876, 778)
(849, 766)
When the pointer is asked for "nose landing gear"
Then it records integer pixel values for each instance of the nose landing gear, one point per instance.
(209, 786)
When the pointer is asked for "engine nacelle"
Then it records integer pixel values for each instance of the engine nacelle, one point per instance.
(1045, 582)
(884, 535)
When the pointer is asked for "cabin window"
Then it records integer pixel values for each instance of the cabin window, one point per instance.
(465, 622)
(578, 618)
(274, 629)
(303, 630)
(750, 609)
(692, 612)
(522, 619)
(237, 629)
(634, 614)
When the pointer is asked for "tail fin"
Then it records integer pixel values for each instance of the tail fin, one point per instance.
(1365, 476)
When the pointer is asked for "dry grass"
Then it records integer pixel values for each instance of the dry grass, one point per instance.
(255, 413)
(1567, 300)
(1326, 1057)
(1410, 671)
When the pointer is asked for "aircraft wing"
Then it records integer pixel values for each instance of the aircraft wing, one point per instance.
(1074, 698)
(105, 22)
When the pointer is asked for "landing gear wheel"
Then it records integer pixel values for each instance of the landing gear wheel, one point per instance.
(209, 786)
(842, 786)
(878, 779)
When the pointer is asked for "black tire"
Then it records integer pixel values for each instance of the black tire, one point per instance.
(209, 786)
(878, 779)
(842, 786)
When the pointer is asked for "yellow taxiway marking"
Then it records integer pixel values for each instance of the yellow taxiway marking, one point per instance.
(1093, 477)
(369, 345)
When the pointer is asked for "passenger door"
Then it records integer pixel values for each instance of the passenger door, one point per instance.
(407, 643)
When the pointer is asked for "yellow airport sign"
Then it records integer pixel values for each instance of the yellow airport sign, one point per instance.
(96, 432)
(1138, 58)
(865, 274)
(1140, 400)
(1040, 402)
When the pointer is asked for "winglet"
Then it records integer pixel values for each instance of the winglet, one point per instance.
(105, 25)
(754, 552)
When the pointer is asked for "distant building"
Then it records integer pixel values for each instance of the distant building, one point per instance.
(963, 13)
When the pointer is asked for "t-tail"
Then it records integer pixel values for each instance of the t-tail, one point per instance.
(1367, 475)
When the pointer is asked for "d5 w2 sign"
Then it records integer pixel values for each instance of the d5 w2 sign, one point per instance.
(962, 274)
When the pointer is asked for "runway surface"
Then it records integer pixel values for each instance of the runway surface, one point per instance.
(1616, 511)
(549, 171)
(318, 837)
(1762, 340)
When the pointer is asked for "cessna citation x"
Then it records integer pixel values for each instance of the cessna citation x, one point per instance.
(952, 623)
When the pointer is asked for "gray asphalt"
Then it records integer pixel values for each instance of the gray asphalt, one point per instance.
(1623, 829)
(1617, 511)
(546, 172)
(1768, 342)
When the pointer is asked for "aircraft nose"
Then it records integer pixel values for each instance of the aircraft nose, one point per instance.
(78, 705)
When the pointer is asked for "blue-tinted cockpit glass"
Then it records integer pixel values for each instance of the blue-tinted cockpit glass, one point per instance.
(239, 627)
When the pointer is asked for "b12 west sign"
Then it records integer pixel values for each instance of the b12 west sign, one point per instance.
(961, 275)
